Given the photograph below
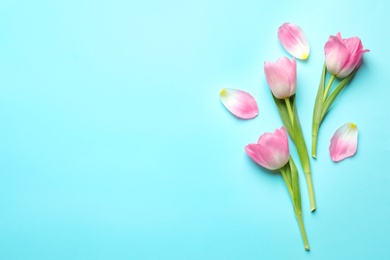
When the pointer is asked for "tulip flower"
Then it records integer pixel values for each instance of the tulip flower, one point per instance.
(342, 56)
(239, 103)
(272, 152)
(281, 77)
(344, 142)
(294, 41)
(342, 59)
(282, 80)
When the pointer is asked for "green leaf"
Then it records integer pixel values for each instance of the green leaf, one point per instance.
(286, 173)
(299, 141)
(319, 100)
(295, 187)
(334, 94)
(282, 108)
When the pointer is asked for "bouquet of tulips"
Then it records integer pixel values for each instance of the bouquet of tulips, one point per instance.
(342, 59)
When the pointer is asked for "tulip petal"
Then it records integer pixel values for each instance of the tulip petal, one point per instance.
(271, 150)
(336, 55)
(344, 142)
(352, 63)
(353, 44)
(355, 47)
(277, 79)
(256, 153)
(291, 69)
(341, 61)
(239, 103)
(294, 41)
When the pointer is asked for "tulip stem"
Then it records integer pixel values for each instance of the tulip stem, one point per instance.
(296, 201)
(290, 113)
(331, 80)
(312, 199)
(314, 141)
(303, 231)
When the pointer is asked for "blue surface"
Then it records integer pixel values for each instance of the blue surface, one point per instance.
(114, 144)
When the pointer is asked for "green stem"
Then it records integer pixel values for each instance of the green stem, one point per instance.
(290, 112)
(314, 140)
(332, 78)
(303, 231)
(309, 183)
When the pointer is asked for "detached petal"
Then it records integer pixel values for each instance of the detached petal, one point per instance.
(344, 142)
(239, 103)
(294, 41)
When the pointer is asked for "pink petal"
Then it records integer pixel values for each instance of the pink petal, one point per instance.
(271, 150)
(282, 133)
(276, 142)
(278, 80)
(355, 47)
(294, 40)
(255, 153)
(336, 55)
(239, 103)
(353, 62)
(338, 35)
(291, 69)
(353, 44)
(344, 142)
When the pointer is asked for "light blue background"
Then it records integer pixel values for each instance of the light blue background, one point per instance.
(114, 144)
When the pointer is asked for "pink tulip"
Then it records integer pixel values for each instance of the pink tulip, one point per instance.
(294, 41)
(239, 103)
(344, 142)
(342, 56)
(281, 77)
(271, 150)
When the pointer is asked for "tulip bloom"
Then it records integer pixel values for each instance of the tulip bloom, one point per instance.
(281, 77)
(294, 41)
(342, 59)
(239, 103)
(271, 150)
(342, 56)
(344, 142)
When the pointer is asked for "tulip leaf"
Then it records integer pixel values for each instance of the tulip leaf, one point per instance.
(282, 108)
(299, 141)
(317, 112)
(286, 174)
(334, 94)
(295, 187)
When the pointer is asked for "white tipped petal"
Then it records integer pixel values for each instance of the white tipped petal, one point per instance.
(344, 142)
(239, 103)
(294, 41)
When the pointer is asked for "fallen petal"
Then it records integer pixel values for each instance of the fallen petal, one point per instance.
(344, 142)
(294, 41)
(239, 103)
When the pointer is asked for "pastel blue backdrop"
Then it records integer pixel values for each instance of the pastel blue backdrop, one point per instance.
(114, 144)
